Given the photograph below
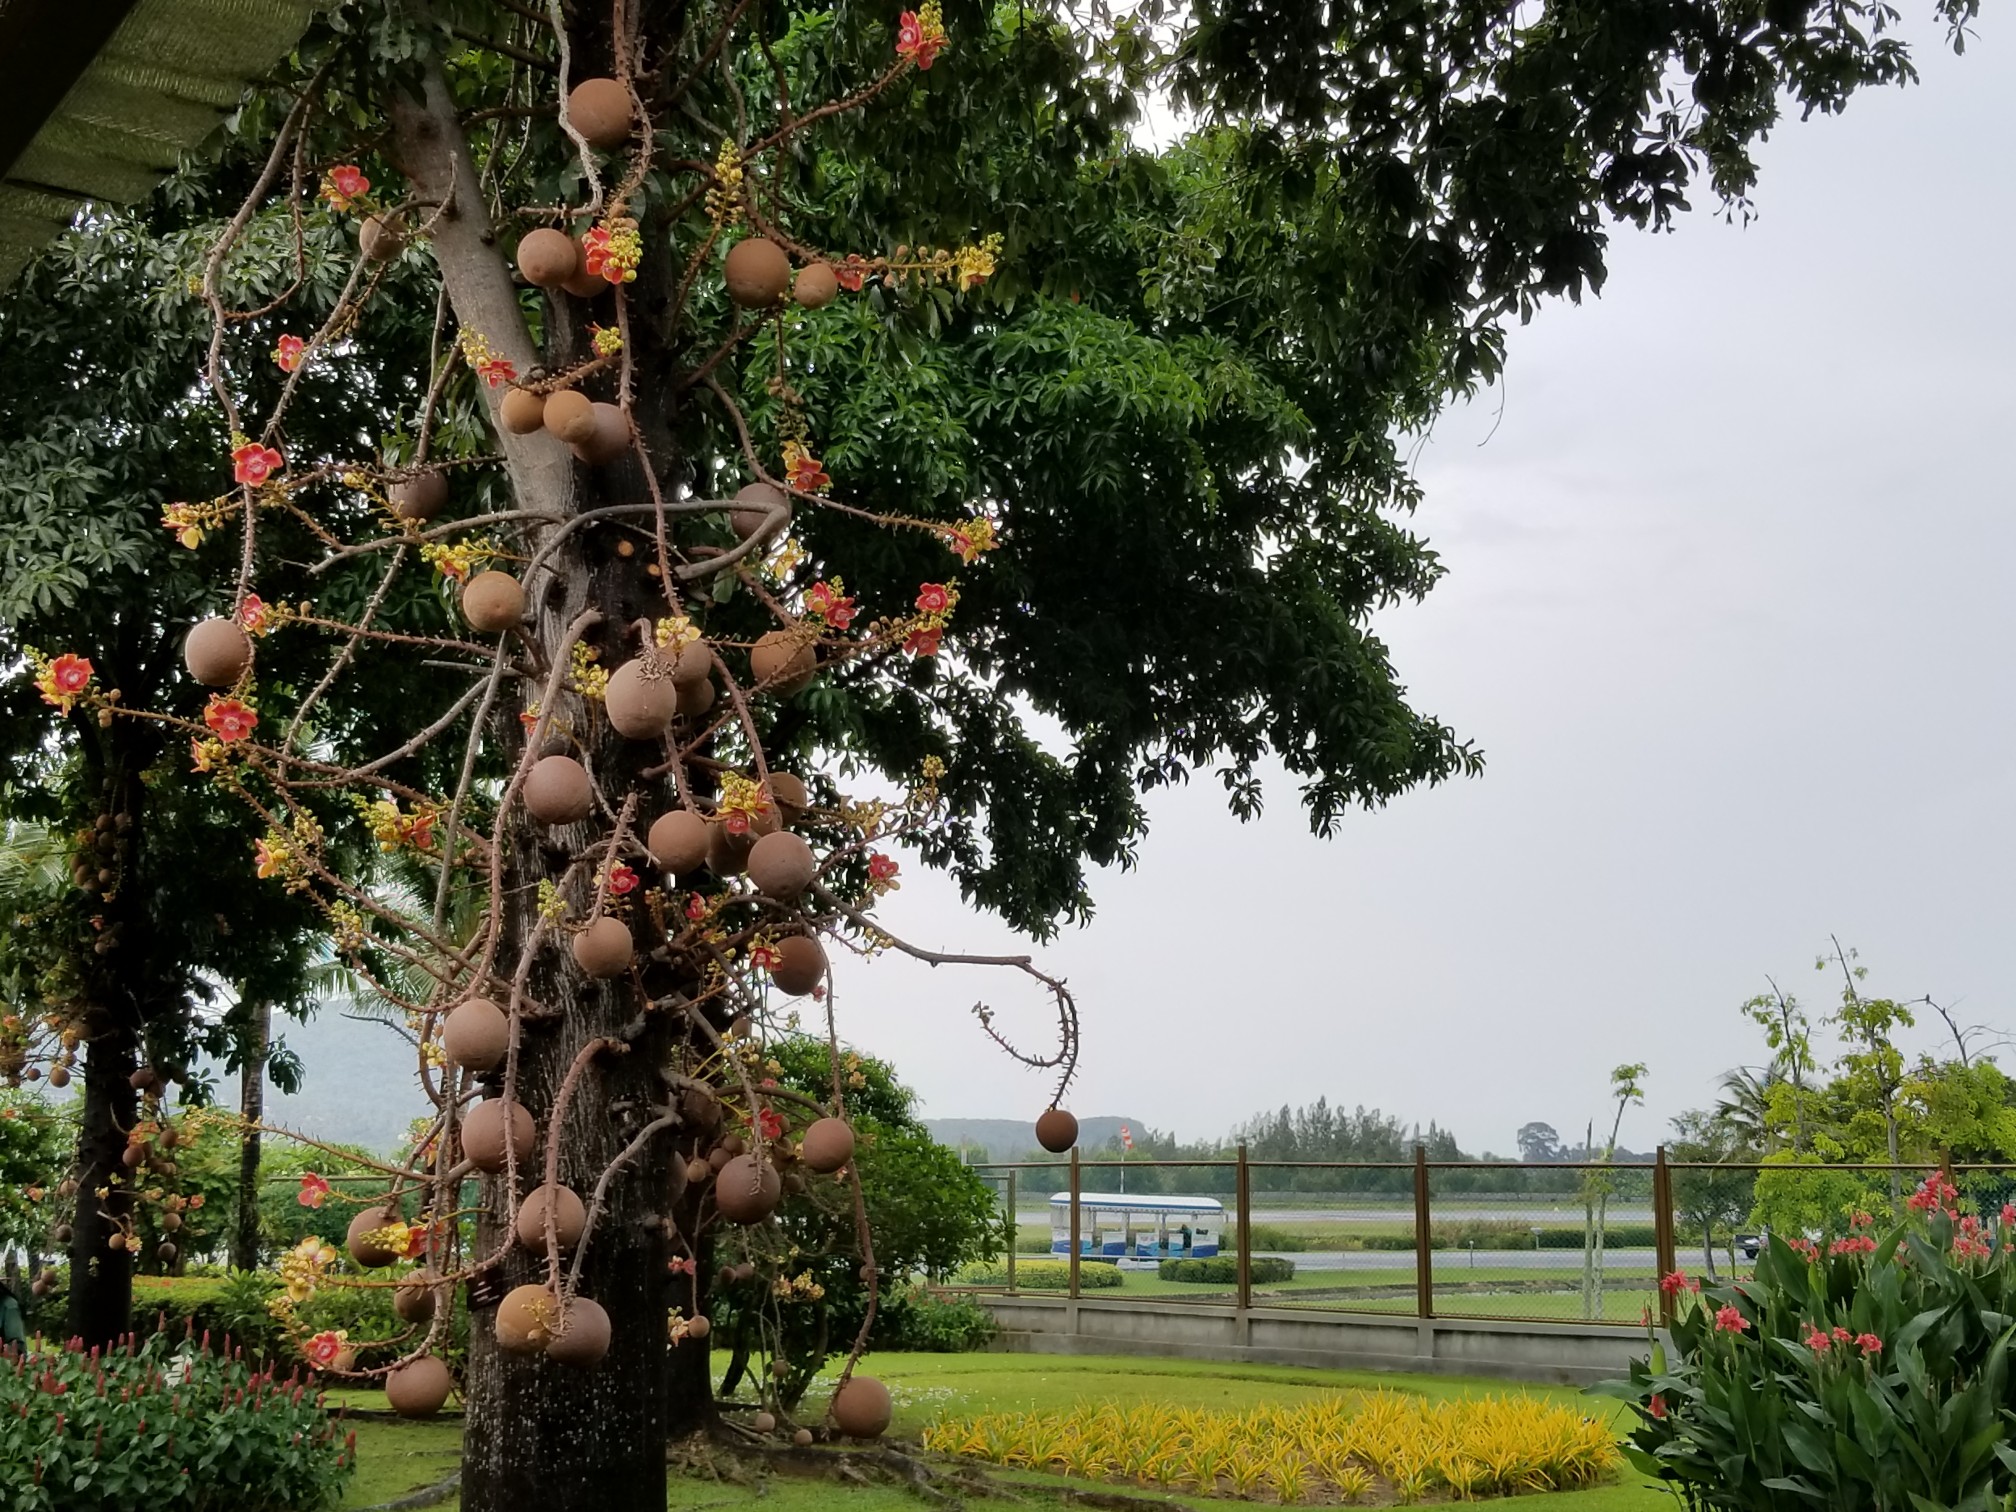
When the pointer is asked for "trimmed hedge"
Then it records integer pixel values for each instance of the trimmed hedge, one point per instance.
(1223, 1270)
(1617, 1236)
(1044, 1275)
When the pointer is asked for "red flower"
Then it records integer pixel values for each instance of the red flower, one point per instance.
(1869, 1344)
(1679, 1281)
(252, 614)
(229, 719)
(288, 353)
(825, 601)
(1841, 1335)
(852, 273)
(933, 599)
(1729, 1319)
(681, 1265)
(807, 475)
(314, 1190)
(696, 906)
(920, 38)
(70, 673)
(323, 1348)
(880, 867)
(497, 371)
(621, 879)
(1657, 1406)
(1818, 1342)
(254, 464)
(344, 185)
(765, 955)
(1854, 1244)
(923, 642)
(771, 1125)
(2009, 1215)
(1862, 1220)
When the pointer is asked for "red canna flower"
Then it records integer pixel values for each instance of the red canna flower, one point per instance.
(229, 719)
(1818, 1342)
(1676, 1283)
(1657, 1406)
(254, 464)
(1869, 1344)
(1730, 1319)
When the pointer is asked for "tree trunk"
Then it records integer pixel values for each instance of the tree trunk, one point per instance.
(540, 1434)
(1708, 1247)
(252, 1108)
(101, 1278)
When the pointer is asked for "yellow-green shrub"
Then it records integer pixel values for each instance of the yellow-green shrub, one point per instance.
(1342, 1448)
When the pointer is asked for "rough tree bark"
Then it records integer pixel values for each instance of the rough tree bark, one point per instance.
(252, 1108)
(541, 1433)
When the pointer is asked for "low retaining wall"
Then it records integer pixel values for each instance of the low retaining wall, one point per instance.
(1568, 1354)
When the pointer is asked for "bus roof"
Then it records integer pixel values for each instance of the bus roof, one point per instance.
(1138, 1203)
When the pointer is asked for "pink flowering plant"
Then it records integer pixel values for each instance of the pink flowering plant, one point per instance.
(1859, 1373)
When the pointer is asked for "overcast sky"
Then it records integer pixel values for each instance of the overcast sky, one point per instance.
(1729, 609)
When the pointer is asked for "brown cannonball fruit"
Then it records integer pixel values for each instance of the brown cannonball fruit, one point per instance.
(484, 1130)
(171, 1221)
(675, 1179)
(585, 285)
(217, 653)
(828, 1145)
(63, 1233)
(547, 257)
(609, 440)
(365, 1251)
(747, 1190)
(521, 411)
(603, 949)
(569, 1217)
(760, 509)
(476, 1035)
(146, 1079)
(493, 601)
(678, 841)
(381, 238)
(718, 1158)
(641, 699)
(782, 865)
(419, 1387)
(700, 1109)
(413, 1298)
(698, 1172)
(815, 285)
(569, 415)
(802, 1438)
(695, 699)
(38, 1288)
(582, 1338)
(59, 1076)
(165, 1252)
(695, 664)
(861, 1407)
(600, 111)
(132, 1155)
(557, 791)
(757, 272)
(1056, 1130)
(117, 1241)
(763, 1422)
(790, 794)
(734, 1144)
(419, 497)
(728, 852)
(525, 1319)
(697, 1326)
(782, 662)
(803, 966)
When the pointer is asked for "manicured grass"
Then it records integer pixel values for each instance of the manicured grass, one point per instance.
(396, 1458)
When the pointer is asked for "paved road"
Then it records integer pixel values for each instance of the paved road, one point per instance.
(1450, 1264)
(1529, 1213)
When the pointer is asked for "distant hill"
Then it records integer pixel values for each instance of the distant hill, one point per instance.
(359, 1086)
(1008, 1139)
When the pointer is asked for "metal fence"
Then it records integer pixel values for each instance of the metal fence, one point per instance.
(1552, 1242)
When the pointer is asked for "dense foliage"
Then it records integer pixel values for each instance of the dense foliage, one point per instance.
(164, 1425)
(1852, 1374)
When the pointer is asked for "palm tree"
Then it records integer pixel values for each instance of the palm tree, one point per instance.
(1745, 1105)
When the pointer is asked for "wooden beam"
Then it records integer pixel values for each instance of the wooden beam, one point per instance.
(45, 46)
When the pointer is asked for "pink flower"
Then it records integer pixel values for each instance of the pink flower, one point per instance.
(1869, 1344)
(681, 1265)
(1676, 1283)
(852, 273)
(229, 719)
(496, 371)
(314, 1190)
(344, 185)
(323, 1348)
(71, 674)
(254, 464)
(696, 906)
(1841, 1335)
(288, 353)
(621, 879)
(933, 599)
(1862, 1220)
(824, 600)
(765, 955)
(1729, 1319)
(920, 38)
(252, 615)
(881, 868)
(1854, 1244)
(1657, 1406)
(923, 642)
(1818, 1342)
(771, 1125)
(2009, 1215)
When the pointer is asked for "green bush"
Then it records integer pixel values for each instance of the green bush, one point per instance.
(1615, 1236)
(1266, 1236)
(235, 1308)
(932, 1322)
(1853, 1377)
(1043, 1275)
(217, 1435)
(1512, 1236)
(1223, 1270)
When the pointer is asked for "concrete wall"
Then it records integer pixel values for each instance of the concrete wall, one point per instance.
(1571, 1354)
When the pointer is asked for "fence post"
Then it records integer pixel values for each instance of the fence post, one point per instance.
(1076, 1189)
(1242, 1193)
(1014, 1227)
(1424, 1257)
(1662, 1229)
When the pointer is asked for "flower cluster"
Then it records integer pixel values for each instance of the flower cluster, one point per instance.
(301, 1267)
(187, 523)
(800, 1287)
(1822, 1342)
(742, 802)
(971, 539)
(1853, 1244)
(1970, 1240)
(675, 633)
(882, 874)
(827, 600)
(1729, 1319)
(606, 340)
(392, 828)
(483, 358)
(724, 196)
(584, 676)
(613, 250)
(1677, 1282)
(920, 34)
(1935, 1195)
(458, 561)
(343, 186)
(935, 603)
(803, 470)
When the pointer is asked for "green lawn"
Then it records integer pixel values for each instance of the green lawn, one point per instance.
(396, 1458)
